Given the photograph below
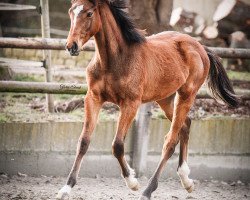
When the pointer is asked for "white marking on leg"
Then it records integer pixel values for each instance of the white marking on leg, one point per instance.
(76, 12)
(64, 191)
(183, 173)
(131, 181)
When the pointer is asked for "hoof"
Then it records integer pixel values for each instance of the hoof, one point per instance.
(132, 183)
(64, 192)
(143, 198)
(183, 173)
(191, 187)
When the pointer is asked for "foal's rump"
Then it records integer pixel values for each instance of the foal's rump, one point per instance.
(179, 56)
(175, 60)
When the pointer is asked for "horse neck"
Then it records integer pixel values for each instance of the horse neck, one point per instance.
(109, 40)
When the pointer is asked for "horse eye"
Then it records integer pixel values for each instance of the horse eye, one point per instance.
(89, 14)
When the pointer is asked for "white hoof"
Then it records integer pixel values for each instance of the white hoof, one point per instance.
(183, 173)
(190, 188)
(131, 181)
(64, 192)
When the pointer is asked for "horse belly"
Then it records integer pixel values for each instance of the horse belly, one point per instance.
(163, 87)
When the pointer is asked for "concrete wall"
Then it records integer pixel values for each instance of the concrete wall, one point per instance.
(219, 148)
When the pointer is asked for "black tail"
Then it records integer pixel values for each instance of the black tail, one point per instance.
(218, 81)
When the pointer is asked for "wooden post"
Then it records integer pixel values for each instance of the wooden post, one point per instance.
(1, 35)
(140, 145)
(47, 53)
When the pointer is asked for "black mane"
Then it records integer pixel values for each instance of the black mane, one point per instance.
(130, 33)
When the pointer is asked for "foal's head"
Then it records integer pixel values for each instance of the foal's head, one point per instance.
(85, 22)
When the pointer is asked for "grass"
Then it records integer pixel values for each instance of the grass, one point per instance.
(242, 76)
(28, 78)
(3, 118)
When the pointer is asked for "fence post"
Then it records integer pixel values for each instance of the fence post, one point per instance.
(47, 53)
(140, 138)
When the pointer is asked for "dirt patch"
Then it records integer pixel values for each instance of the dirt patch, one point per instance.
(209, 107)
(109, 188)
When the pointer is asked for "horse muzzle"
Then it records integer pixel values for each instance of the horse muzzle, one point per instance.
(73, 50)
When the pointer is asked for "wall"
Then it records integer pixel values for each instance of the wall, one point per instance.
(219, 148)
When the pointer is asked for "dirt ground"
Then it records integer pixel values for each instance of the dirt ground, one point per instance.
(26, 187)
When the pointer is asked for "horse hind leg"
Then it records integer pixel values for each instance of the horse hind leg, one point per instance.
(178, 114)
(183, 170)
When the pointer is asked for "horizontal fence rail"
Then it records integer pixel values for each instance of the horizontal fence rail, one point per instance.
(59, 44)
(231, 52)
(74, 88)
(42, 87)
(15, 7)
(40, 43)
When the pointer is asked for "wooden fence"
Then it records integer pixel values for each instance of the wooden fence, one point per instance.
(74, 88)
(141, 135)
(59, 44)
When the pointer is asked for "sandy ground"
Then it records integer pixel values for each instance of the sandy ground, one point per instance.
(25, 187)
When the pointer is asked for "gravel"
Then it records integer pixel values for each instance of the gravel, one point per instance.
(27, 187)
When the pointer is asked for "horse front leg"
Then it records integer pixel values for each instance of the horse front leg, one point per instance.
(182, 106)
(92, 108)
(127, 114)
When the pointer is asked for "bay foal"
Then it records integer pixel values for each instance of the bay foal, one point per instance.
(129, 69)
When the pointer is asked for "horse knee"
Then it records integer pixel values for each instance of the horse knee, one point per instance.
(83, 144)
(118, 148)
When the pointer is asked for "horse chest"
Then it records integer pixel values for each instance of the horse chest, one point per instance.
(109, 89)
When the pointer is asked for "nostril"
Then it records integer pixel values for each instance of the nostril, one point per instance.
(74, 47)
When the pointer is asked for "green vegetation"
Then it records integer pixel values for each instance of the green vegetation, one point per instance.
(3, 118)
(243, 76)
(158, 113)
(28, 78)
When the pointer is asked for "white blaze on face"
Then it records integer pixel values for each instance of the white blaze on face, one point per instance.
(76, 12)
